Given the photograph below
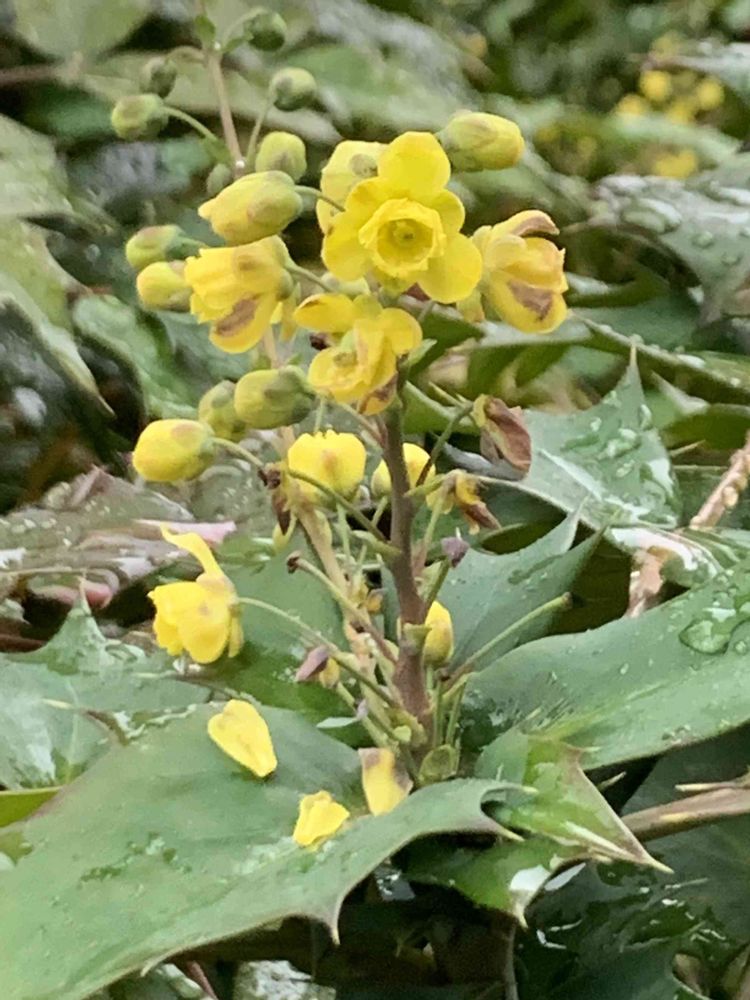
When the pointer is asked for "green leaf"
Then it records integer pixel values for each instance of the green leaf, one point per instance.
(145, 886)
(566, 819)
(62, 28)
(96, 532)
(486, 594)
(607, 461)
(15, 806)
(632, 688)
(46, 738)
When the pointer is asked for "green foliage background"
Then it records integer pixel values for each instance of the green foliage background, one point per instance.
(157, 857)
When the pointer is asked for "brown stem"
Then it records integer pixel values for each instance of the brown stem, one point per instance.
(194, 971)
(14, 75)
(409, 675)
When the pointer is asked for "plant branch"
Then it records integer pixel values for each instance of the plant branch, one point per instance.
(341, 501)
(252, 146)
(213, 62)
(199, 127)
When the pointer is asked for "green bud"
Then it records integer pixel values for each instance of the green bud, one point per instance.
(158, 76)
(273, 398)
(292, 88)
(477, 141)
(216, 409)
(155, 243)
(140, 116)
(440, 764)
(162, 285)
(220, 177)
(282, 151)
(265, 29)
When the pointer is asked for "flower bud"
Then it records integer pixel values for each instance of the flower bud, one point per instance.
(416, 459)
(162, 285)
(292, 88)
(282, 151)
(438, 646)
(155, 243)
(332, 459)
(216, 408)
(477, 141)
(265, 29)
(170, 450)
(220, 176)
(273, 397)
(140, 116)
(158, 76)
(255, 206)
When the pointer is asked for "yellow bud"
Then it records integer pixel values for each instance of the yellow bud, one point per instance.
(162, 285)
(216, 408)
(709, 94)
(292, 88)
(438, 646)
(265, 29)
(242, 733)
(274, 397)
(384, 783)
(170, 450)
(255, 206)
(155, 243)
(158, 76)
(282, 151)
(330, 674)
(477, 141)
(336, 460)
(140, 116)
(319, 818)
(416, 459)
(655, 85)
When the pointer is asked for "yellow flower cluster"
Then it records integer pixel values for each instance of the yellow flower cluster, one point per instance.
(243, 734)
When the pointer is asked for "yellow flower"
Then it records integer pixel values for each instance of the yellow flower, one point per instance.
(632, 104)
(170, 450)
(199, 617)
(460, 489)
(655, 85)
(682, 110)
(242, 733)
(335, 313)
(403, 226)
(253, 207)
(384, 783)
(709, 94)
(416, 459)
(477, 141)
(361, 368)
(163, 285)
(319, 818)
(237, 289)
(679, 164)
(523, 278)
(350, 162)
(336, 460)
(438, 645)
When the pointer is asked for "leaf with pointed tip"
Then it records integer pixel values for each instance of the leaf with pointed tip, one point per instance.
(46, 737)
(634, 687)
(68, 27)
(122, 854)
(565, 819)
(607, 461)
(486, 594)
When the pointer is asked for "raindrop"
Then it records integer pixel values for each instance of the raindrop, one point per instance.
(704, 239)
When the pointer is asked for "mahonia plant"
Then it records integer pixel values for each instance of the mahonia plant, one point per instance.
(393, 248)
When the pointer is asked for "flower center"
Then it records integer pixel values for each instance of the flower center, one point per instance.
(402, 236)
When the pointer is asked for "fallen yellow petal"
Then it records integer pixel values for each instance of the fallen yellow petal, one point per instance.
(241, 732)
(384, 784)
(320, 816)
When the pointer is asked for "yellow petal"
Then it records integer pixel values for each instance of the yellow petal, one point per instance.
(244, 327)
(205, 628)
(530, 309)
(242, 733)
(455, 274)
(451, 210)
(438, 645)
(328, 312)
(384, 784)
(191, 542)
(319, 817)
(342, 253)
(414, 165)
(400, 330)
(366, 198)
(523, 223)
